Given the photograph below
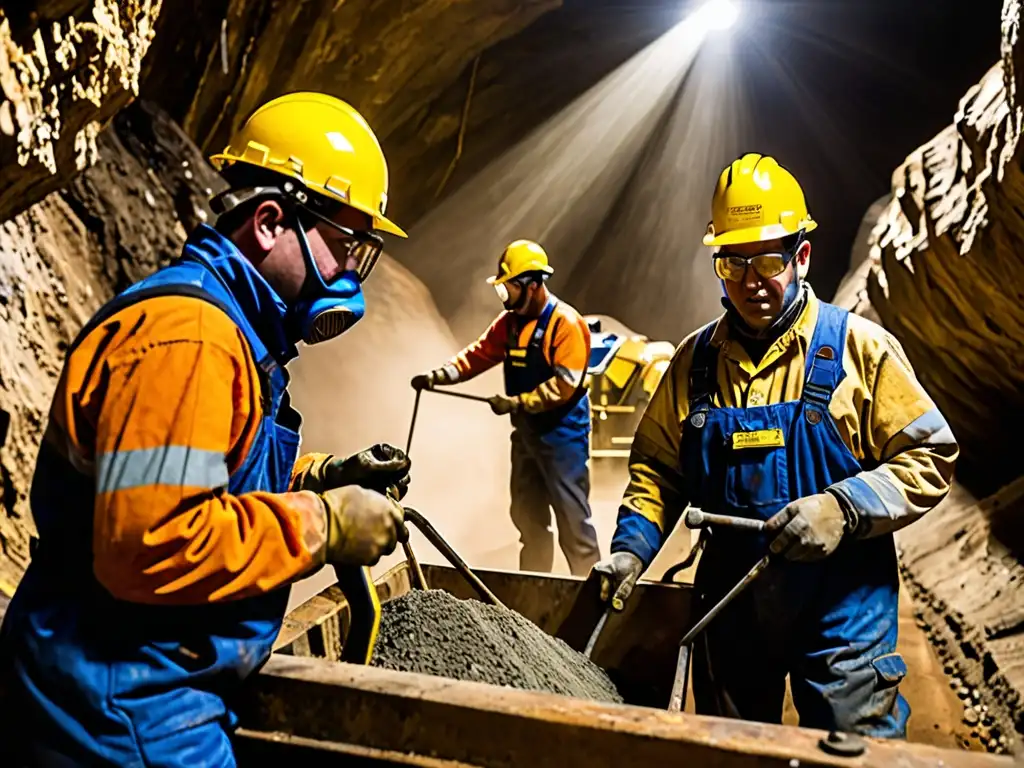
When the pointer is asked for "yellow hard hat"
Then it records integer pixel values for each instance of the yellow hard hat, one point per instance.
(321, 142)
(756, 200)
(518, 258)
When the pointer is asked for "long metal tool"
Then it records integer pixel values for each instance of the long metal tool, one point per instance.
(435, 538)
(463, 395)
(412, 424)
(696, 518)
(589, 649)
(422, 523)
(678, 697)
(416, 409)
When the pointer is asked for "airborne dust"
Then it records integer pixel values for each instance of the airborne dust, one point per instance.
(615, 187)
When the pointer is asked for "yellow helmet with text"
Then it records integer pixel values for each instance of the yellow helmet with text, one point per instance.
(756, 200)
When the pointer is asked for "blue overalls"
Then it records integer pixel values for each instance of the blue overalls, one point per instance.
(830, 625)
(550, 455)
(100, 681)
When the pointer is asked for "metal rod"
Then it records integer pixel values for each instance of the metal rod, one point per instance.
(463, 395)
(597, 631)
(729, 597)
(435, 538)
(677, 699)
(412, 424)
(414, 564)
(695, 518)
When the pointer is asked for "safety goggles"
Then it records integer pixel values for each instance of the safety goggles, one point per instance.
(731, 266)
(363, 249)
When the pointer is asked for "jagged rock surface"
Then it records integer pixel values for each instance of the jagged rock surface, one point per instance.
(66, 67)
(948, 268)
(945, 274)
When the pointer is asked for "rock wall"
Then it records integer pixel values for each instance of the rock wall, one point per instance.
(66, 66)
(945, 273)
(948, 267)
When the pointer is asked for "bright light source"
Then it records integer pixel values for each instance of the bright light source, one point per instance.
(716, 15)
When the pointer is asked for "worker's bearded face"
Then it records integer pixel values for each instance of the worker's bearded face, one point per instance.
(519, 296)
(759, 300)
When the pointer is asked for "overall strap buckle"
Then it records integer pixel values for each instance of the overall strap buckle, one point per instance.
(825, 360)
(703, 378)
(537, 339)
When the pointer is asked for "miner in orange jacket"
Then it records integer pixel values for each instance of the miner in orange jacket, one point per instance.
(171, 510)
(544, 346)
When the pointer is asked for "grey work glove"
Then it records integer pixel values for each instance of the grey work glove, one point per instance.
(618, 577)
(502, 405)
(381, 467)
(362, 525)
(808, 529)
(438, 377)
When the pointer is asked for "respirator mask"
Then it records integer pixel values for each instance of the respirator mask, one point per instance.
(505, 297)
(323, 310)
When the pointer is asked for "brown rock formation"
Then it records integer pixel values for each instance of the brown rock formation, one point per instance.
(945, 274)
(66, 66)
(948, 271)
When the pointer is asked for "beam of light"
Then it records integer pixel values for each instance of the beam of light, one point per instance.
(647, 267)
(556, 186)
(718, 15)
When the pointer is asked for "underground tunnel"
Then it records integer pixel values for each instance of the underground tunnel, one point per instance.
(597, 128)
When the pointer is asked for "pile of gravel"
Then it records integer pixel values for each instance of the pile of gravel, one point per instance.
(434, 633)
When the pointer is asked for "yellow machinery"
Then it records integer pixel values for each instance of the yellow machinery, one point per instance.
(624, 370)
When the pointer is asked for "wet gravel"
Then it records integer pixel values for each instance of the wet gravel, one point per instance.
(434, 633)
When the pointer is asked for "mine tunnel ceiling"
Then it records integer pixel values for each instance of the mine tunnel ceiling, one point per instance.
(838, 90)
(850, 87)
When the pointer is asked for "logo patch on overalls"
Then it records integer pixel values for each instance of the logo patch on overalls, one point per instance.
(762, 438)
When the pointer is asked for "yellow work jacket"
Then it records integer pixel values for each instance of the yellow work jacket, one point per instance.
(882, 412)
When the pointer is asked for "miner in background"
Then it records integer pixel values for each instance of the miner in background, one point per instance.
(544, 345)
(796, 412)
(172, 513)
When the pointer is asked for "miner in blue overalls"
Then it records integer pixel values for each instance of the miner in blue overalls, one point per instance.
(793, 411)
(544, 345)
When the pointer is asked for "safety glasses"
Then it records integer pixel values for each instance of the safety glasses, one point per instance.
(732, 266)
(363, 249)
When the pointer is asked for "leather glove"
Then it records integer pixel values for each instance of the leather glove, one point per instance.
(380, 467)
(618, 576)
(362, 525)
(502, 405)
(808, 529)
(438, 377)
